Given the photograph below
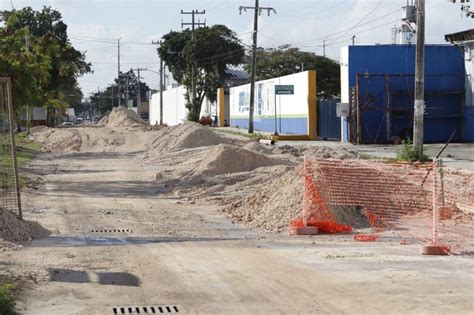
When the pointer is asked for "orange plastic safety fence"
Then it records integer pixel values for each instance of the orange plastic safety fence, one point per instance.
(340, 195)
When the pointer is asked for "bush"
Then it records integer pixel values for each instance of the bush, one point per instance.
(193, 117)
(7, 304)
(409, 154)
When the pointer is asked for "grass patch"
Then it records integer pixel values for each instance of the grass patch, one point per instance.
(26, 150)
(7, 302)
(408, 153)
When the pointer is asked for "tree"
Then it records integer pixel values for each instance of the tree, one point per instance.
(42, 35)
(28, 67)
(132, 86)
(465, 7)
(206, 54)
(106, 99)
(285, 60)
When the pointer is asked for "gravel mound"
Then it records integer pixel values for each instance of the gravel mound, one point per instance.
(13, 229)
(122, 117)
(224, 158)
(274, 205)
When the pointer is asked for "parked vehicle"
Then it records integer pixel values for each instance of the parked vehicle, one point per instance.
(68, 123)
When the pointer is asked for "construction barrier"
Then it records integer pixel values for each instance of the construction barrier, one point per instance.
(9, 182)
(373, 199)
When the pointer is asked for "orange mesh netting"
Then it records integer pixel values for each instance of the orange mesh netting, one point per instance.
(340, 195)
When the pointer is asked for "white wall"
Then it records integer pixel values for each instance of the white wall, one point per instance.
(287, 105)
(174, 107)
(344, 63)
(469, 54)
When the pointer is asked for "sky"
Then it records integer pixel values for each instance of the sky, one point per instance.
(95, 25)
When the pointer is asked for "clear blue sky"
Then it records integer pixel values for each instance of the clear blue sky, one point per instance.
(94, 26)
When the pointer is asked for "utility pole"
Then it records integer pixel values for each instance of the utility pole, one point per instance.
(419, 109)
(257, 10)
(118, 76)
(127, 95)
(324, 47)
(161, 83)
(139, 98)
(193, 25)
(161, 91)
(353, 40)
(112, 95)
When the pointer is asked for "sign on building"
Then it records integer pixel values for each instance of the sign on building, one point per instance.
(284, 89)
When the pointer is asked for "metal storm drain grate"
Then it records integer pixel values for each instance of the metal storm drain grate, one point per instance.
(166, 309)
(112, 231)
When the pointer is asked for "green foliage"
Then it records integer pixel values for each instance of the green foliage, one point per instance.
(108, 98)
(206, 54)
(409, 154)
(37, 54)
(285, 60)
(192, 116)
(7, 303)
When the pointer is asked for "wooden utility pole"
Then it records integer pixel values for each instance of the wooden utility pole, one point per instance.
(257, 10)
(419, 109)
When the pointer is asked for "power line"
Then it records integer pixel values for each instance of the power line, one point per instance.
(257, 12)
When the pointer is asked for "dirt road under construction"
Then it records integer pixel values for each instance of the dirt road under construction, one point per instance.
(119, 240)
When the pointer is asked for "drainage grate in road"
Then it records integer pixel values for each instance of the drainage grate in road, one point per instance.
(112, 231)
(165, 309)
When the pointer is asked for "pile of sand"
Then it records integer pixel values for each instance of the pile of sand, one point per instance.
(258, 147)
(273, 206)
(184, 136)
(122, 117)
(13, 229)
(224, 158)
(58, 140)
(103, 121)
(328, 153)
(278, 202)
(318, 151)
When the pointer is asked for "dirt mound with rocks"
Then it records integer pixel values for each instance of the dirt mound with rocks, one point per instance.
(14, 230)
(184, 136)
(257, 147)
(318, 151)
(224, 158)
(122, 117)
(58, 140)
(272, 207)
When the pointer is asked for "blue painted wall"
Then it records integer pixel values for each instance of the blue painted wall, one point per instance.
(329, 125)
(445, 72)
(284, 125)
(469, 124)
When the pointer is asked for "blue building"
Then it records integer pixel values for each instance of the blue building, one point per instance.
(378, 84)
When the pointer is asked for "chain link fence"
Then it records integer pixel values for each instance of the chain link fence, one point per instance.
(9, 180)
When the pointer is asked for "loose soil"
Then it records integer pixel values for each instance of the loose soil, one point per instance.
(172, 194)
